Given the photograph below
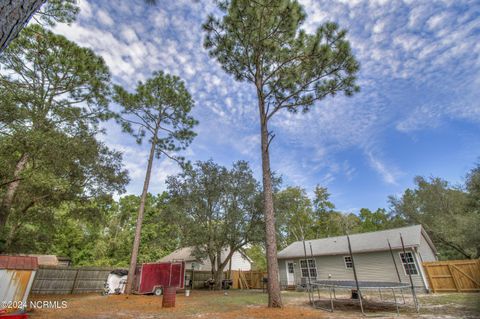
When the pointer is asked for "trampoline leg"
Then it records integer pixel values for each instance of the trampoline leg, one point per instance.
(380, 291)
(360, 297)
(403, 297)
(395, 299)
(415, 300)
(331, 300)
(334, 295)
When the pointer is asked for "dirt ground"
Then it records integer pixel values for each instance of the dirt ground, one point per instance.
(238, 304)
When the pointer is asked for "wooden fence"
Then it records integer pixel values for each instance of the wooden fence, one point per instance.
(73, 280)
(453, 275)
(240, 279)
(69, 280)
(247, 279)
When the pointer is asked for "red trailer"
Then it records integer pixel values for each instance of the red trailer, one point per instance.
(151, 278)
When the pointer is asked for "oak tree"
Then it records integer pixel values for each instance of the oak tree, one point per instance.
(218, 209)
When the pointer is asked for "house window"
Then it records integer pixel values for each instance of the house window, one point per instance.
(348, 262)
(306, 267)
(409, 263)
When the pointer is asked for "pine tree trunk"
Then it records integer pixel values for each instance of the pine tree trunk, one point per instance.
(138, 229)
(274, 296)
(14, 15)
(12, 187)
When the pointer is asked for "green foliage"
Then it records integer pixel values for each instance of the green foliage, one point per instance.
(57, 11)
(160, 107)
(262, 42)
(299, 217)
(257, 254)
(437, 205)
(100, 231)
(55, 94)
(217, 208)
(294, 215)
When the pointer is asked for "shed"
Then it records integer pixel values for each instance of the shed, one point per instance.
(16, 278)
(328, 258)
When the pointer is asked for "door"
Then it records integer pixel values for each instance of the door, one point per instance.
(290, 273)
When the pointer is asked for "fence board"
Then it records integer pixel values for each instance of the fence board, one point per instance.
(254, 279)
(453, 275)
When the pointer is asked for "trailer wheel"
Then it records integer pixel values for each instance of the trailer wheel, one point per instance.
(158, 291)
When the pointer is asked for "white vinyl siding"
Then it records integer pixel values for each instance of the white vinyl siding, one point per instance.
(372, 266)
(239, 262)
(425, 251)
(282, 272)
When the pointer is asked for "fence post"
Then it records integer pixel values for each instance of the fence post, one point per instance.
(75, 281)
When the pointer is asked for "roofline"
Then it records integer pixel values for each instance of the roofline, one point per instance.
(346, 252)
(428, 240)
(244, 254)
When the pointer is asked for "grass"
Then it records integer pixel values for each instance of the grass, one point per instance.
(452, 303)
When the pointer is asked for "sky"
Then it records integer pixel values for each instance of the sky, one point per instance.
(418, 111)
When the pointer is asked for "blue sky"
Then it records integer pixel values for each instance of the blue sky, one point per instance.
(418, 112)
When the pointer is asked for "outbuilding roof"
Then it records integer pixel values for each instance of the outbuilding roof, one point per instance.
(364, 242)
(18, 262)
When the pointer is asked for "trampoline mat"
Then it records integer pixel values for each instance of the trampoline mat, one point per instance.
(350, 284)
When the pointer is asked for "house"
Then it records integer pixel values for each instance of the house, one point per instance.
(329, 258)
(239, 260)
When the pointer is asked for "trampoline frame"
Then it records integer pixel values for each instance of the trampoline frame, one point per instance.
(360, 285)
(331, 285)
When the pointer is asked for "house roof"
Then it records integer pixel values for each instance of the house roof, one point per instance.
(364, 242)
(185, 253)
(18, 262)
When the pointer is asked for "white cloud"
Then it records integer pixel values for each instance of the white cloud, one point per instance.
(436, 20)
(129, 34)
(85, 9)
(388, 174)
(104, 18)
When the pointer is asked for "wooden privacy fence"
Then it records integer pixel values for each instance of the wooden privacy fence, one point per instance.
(240, 279)
(198, 277)
(247, 279)
(69, 280)
(453, 275)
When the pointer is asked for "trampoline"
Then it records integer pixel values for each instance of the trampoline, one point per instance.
(383, 288)
(358, 286)
(351, 284)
